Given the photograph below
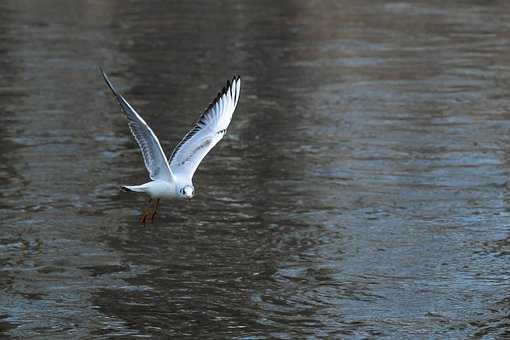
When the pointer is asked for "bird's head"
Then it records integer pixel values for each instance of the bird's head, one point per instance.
(187, 192)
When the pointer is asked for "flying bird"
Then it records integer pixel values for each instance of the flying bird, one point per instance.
(173, 178)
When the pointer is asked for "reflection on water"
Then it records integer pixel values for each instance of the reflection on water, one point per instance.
(361, 190)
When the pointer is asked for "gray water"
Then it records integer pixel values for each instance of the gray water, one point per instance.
(361, 192)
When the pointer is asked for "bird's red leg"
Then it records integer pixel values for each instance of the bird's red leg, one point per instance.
(155, 211)
(146, 213)
(143, 218)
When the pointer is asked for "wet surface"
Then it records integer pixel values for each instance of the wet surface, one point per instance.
(362, 190)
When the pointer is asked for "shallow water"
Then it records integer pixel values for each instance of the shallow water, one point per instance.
(362, 190)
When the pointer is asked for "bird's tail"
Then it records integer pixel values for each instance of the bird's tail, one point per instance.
(133, 188)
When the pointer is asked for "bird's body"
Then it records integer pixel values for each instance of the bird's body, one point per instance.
(172, 178)
(156, 189)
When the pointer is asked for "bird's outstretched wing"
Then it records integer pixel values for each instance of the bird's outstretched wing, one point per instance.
(207, 131)
(153, 155)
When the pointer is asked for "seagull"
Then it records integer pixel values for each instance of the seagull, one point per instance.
(173, 178)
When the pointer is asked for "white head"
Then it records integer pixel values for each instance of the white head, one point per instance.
(187, 192)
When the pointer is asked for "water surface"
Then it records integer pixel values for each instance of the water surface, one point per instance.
(362, 190)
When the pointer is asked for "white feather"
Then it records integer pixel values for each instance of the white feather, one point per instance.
(153, 155)
(205, 134)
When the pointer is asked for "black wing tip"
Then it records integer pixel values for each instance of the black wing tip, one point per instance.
(108, 82)
(223, 91)
(103, 73)
(125, 189)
